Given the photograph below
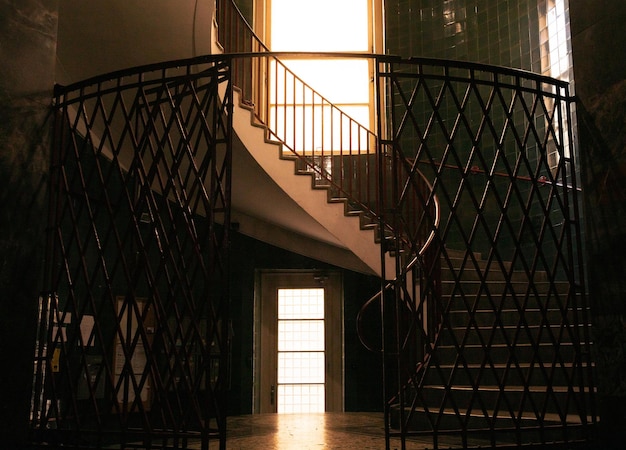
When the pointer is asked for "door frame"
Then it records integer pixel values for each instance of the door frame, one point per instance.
(265, 362)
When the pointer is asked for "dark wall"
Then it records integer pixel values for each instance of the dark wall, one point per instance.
(28, 37)
(598, 37)
(363, 390)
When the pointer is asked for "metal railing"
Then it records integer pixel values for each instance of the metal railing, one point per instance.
(326, 142)
(475, 343)
(133, 334)
(461, 178)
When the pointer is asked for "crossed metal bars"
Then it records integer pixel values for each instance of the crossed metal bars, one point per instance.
(133, 334)
(491, 335)
(475, 161)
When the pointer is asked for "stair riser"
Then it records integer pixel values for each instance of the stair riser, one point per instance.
(500, 430)
(499, 354)
(455, 262)
(492, 304)
(500, 335)
(471, 273)
(554, 403)
(513, 376)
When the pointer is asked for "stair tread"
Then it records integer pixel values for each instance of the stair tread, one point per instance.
(520, 365)
(507, 388)
(548, 417)
(502, 345)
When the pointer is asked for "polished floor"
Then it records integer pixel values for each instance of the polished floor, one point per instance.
(311, 431)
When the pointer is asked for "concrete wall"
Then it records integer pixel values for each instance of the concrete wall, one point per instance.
(28, 30)
(100, 36)
(599, 53)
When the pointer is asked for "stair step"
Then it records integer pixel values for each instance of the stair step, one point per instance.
(502, 334)
(519, 287)
(537, 374)
(486, 318)
(501, 419)
(499, 304)
(486, 428)
(520, 352)
(535, 400)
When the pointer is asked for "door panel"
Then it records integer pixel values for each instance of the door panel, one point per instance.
(299, 356)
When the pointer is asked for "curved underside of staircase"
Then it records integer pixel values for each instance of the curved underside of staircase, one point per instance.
(273, 203)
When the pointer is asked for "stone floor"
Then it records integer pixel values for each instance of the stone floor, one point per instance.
(312, 431)
(354, 431)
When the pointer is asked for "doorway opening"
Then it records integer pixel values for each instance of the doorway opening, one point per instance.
(298, 343)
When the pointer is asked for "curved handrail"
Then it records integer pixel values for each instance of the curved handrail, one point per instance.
(232, 26)
(254, 50)
(338, 150)
(417, 260)
(236, 26)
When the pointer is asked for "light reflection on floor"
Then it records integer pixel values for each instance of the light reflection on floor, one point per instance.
(310, 431)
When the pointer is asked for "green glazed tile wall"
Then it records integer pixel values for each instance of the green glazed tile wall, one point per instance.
(496, 32)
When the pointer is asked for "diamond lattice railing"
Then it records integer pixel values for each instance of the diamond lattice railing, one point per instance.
(472, 170)
(132, 342)
(500, 309)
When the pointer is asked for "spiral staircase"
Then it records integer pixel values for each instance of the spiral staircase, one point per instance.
(487, 350)
(464, 203)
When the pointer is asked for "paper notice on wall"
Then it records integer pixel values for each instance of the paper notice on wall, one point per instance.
(86, 330)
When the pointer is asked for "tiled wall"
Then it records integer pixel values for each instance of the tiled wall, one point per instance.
(519, 34)
(499, 32)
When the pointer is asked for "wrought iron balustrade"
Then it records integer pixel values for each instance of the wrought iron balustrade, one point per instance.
(470, 175)
(493, 344)
(132, 347)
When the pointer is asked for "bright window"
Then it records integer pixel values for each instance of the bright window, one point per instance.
(321, 26)
(556, 63)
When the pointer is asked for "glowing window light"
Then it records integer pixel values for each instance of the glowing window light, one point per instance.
(301, 345)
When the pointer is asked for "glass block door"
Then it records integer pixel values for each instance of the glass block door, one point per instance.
(298, 343)
(301, 345)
